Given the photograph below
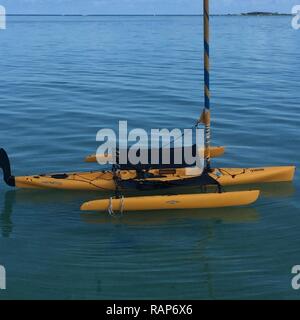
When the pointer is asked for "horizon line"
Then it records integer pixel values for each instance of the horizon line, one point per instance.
(145, 14)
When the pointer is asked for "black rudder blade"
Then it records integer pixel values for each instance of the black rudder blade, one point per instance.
(5, 166)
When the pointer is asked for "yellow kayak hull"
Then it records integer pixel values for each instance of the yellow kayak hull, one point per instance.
(170, 202)
(96, 180)
(103, 180)
(237, 176)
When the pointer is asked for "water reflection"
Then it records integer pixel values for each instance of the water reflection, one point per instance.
(275, 189)
(194, 245)
(201, 246)
(232, 215)
(6, 212)
(76, 198)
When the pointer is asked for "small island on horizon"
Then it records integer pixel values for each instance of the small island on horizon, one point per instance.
(263, 13)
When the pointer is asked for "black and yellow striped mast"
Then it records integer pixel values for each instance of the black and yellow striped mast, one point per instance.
(205, 117)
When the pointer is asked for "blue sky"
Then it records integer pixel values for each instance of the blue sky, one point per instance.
(144, 6)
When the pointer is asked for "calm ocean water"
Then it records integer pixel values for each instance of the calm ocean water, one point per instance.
(63, 78)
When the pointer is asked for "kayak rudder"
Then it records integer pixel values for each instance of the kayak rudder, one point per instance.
(6, 168)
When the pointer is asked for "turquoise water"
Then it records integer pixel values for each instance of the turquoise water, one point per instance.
(64, 78)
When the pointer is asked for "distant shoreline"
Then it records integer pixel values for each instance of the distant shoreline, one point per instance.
(262, 13)
(147, 15)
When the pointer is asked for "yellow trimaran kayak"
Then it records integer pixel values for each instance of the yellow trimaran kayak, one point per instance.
(110, 180)
(104, 180)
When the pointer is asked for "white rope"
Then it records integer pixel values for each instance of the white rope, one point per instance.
(110, 207)
(122, 205)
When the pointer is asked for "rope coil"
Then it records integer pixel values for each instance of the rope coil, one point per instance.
(122, 205)
(110, 206)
